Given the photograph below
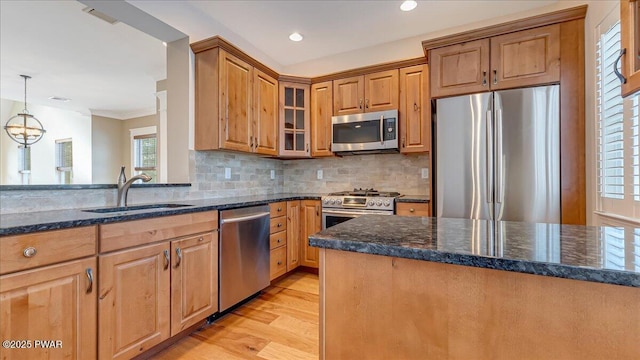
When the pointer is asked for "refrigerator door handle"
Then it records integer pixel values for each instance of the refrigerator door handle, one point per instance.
(499, 159)
(489, 156)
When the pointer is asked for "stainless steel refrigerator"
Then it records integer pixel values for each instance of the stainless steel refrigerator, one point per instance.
(497, 155)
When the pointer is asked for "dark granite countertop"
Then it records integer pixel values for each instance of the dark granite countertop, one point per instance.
(609, 255)
(22, 223)
(413, 198)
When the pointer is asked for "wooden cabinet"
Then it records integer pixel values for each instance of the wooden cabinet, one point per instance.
(293, 234)
(134, 307)
(236, 78)
(415, 109)
(321, 112)
(517, 59)
(525, 58)
(265, 114)
(194, 280)
(278, 239)
(161, 279)
(460, 68)
(413, 209)
(235, 104)
(371, 92)
(294, 120)
(630, 38)
(56, 303)
(310, 223)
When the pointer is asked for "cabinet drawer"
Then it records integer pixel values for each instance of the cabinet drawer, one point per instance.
(133, 233)
(413, 209)
(278, 239)
(278, 262)
(278, 224)
(27, 251)
(278, 209)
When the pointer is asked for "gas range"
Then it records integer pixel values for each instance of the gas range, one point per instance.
(364, 199)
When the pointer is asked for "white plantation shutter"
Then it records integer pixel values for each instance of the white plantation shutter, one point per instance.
(610, 119)
(618, 148)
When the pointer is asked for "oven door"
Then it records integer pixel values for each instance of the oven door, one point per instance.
(331, 217)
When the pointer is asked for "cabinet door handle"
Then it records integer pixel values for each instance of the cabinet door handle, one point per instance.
(30, 252)
(279, 262)
(307, 147)
(615, 66)
(90, 277)
(317, 211)
(484, 78)
(166, 259)
(360, 104)
(403, 142)
(415, 107)
(179, 253)
(366, 103)
(495, 76)
(251, 142)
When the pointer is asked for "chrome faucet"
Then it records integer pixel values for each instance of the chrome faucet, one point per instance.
(124, 185)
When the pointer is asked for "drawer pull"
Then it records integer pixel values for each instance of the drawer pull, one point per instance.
(179, 253)
(279, 241)
(90, 277)
(412, 210)
(166, 259)
(279, 209)
(279, 224)
(200, 238)
(29, 252)
(279, 262)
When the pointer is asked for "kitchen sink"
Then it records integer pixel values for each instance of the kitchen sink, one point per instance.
(127, 209)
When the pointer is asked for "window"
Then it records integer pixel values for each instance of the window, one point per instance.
(64, 161)
(618, 158)
(144, 151)
(24, 164)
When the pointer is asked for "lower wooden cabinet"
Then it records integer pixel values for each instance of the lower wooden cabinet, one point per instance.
(293, 234)
(134, 312)
(413, 209)
(194, 280)
(310, 223)
(150, 293)
(53, 303)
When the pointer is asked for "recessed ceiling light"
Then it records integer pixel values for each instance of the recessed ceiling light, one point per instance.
(295, 37)
(408, 5)
(58, 98)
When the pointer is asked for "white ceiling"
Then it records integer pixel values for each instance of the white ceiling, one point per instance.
(112, 69)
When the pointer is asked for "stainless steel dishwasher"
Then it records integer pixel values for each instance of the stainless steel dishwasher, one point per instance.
(244, 253)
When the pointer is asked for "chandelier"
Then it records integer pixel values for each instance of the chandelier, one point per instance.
(24, 128)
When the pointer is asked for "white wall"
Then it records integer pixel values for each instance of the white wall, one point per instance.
(59, 124)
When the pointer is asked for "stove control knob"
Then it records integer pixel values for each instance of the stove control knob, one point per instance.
(332, 201)
(387, 203)
(379, 203)
(326, 201)
(371, 202)
(338, 202)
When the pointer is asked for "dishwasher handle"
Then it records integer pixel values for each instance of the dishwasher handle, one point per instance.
(243, 218)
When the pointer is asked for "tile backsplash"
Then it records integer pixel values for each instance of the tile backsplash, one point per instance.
(384, 172)
(250, 175)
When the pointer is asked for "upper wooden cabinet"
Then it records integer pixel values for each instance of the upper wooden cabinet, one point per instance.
(294, 120)
(630, 38)
(321, 112)
(371, 92)
(517, 59)
(235, 103)
(525, 58)
(460, 69)
(265, 114)
(415, 109)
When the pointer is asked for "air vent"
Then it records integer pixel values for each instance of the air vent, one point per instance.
(102, 16)
(59, 98)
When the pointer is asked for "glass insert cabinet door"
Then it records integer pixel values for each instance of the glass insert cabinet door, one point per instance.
(294, 119)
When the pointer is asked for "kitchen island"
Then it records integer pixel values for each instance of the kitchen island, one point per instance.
(414, 288)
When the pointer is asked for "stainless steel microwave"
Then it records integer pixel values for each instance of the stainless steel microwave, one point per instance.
(372, 132)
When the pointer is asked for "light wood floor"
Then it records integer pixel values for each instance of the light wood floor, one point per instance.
(282, 323)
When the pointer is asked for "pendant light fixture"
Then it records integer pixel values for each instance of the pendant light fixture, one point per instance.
(24, 128)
